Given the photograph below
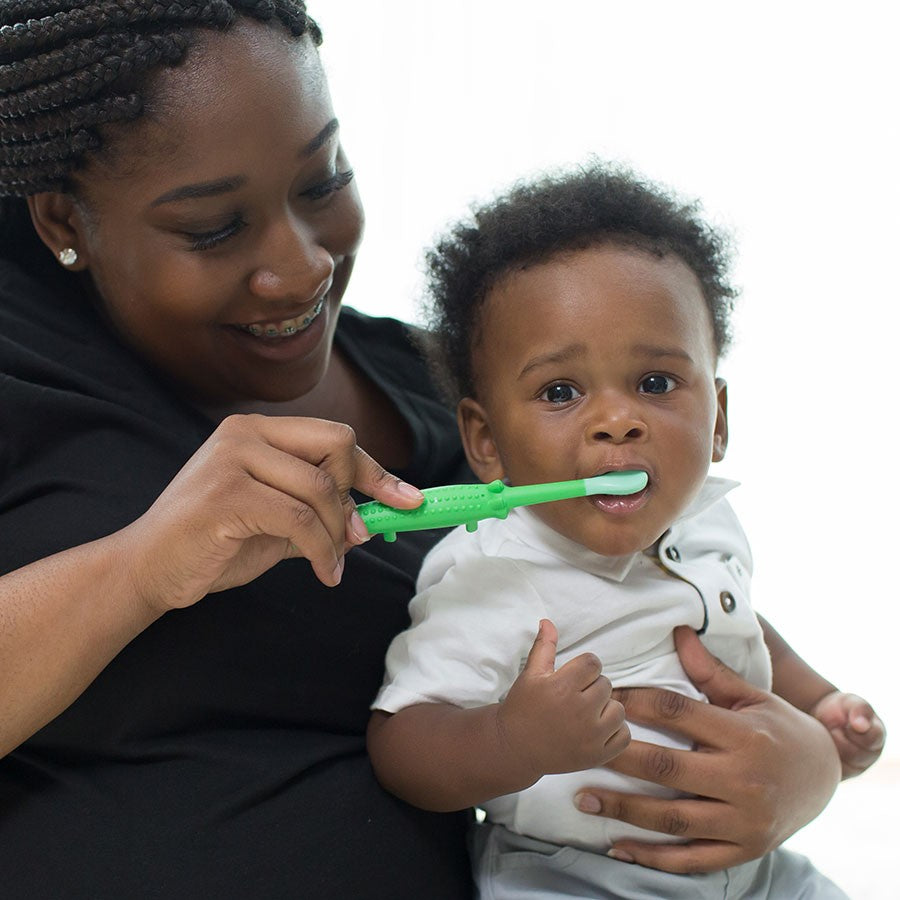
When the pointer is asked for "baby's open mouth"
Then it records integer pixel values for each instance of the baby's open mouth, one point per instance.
(621, 504)
(286, 327)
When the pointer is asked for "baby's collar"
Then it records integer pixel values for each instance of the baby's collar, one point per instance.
(534, 531)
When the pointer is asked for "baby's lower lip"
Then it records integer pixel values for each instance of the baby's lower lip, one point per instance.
(620, 505)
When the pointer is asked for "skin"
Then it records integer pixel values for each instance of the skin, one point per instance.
(636, 389)
(276, 232)
(262, 487)
(614, 367)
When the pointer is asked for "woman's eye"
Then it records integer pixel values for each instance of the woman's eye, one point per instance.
(206, 240)
(337, 181)
(560, 393)
(657, 384)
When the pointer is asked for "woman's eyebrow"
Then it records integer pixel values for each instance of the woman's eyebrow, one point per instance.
(232, 183)
(200, 190)
(321, 138)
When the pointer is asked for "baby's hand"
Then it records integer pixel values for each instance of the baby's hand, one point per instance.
(857, 732)
(561, 720)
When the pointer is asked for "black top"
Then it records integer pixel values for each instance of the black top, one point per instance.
(222, 752)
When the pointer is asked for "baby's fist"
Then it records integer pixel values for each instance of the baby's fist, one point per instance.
(857, 731)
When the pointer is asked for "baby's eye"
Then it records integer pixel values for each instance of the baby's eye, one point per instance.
(657, 384)
(560, 393)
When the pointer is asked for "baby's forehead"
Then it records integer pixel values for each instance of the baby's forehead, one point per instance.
(601, 297)
(608, 270)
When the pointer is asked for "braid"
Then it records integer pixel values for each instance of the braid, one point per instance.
(67, 68)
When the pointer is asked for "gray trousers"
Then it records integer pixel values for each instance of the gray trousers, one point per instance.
(509, 866)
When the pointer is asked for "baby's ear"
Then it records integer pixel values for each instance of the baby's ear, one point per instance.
(475, 430)
(720, 434)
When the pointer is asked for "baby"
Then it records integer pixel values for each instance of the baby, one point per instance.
(578, 322)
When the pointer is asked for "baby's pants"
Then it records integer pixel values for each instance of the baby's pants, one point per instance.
(509, 866)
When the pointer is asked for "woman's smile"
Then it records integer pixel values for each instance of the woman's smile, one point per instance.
(284, 328)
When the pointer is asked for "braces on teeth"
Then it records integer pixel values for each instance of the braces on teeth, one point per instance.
(274, 331)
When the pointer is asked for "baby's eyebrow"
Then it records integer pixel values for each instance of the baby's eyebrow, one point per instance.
(564, 354)
(655, 352)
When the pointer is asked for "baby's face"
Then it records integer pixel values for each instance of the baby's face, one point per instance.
(599, 360)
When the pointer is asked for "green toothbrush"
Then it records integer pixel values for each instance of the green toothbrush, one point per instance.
(468, 504)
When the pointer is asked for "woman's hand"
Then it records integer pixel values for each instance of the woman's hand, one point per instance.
(761, 770)
(259, 490)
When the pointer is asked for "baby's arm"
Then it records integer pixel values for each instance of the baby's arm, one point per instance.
(858, 733)
(441, 757)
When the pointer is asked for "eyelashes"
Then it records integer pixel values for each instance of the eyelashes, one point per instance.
(207, 240)
(337, 181)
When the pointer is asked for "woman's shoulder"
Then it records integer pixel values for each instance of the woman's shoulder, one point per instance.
(388, 344)
(388, 351)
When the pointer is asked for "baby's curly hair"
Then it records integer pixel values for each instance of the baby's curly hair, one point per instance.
(599, 203)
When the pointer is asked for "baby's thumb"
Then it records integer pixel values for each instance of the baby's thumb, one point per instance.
(542, 656)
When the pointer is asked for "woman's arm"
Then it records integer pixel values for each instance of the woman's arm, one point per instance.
(62, 619)
(440, 757)
(761, 770)
(258, 491)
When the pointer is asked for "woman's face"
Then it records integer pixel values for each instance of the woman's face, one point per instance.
(221, 238)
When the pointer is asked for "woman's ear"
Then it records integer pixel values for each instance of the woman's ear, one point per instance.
(720, 434)
(481, 451)
(59, 224)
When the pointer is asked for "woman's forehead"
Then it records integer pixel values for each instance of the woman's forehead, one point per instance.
(237, 95)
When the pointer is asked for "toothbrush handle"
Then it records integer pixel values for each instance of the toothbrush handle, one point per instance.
(468, 504)
(443, 507)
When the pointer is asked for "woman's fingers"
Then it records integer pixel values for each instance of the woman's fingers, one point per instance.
(682, 818)
(690, 858)
(308, 492)
(680, 770)
(258, 490)
(375, 481)
(722, 686)
(698, 824)
(331, 448)
(700, 722)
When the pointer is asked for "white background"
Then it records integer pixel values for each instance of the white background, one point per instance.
(782, 118)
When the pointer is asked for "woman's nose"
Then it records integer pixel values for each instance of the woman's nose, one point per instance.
(294, 265)
(615, 419)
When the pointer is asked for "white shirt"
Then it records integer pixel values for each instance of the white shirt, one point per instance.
(480, 598)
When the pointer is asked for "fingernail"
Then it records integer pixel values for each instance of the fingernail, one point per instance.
(409, 491)
(338, 571)
(358, 527)
(620, 855)
(588, 803)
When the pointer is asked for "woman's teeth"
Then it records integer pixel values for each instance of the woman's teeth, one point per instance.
(287, 327)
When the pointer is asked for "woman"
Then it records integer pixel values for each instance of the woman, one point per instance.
(190, 227)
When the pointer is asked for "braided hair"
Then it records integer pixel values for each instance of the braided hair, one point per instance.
(67, 69)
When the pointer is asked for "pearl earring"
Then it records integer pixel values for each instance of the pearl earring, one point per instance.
(67, 256)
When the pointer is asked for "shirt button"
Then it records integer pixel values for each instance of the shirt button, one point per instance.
(673, 554)
(726, 598)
